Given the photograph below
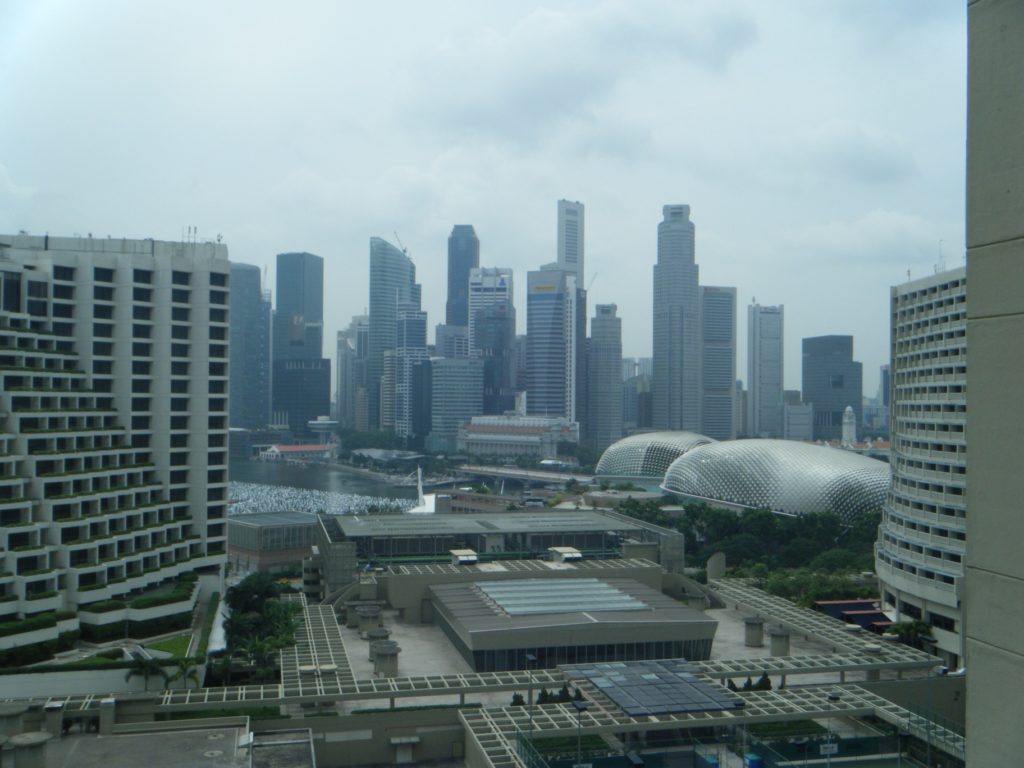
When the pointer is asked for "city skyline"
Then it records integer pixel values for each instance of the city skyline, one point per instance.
(850, 174)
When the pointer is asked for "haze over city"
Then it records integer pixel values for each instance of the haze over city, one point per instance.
(820, 146)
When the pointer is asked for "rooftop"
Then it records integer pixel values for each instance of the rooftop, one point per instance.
(513, 522)
(519, 597)
(260, 519)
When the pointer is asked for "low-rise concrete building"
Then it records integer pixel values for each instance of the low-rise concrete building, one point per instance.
(270, 541)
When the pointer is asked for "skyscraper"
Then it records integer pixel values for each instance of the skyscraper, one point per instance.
(570, 239)
(496, 345)
(250, 349)
(113, 422)
(832, 380)
(604, 377)
(463, 255)
(456, 385)
(921, 544)
(488, 286)
(299, 315)
(718, 362)
(551, 342)
(392, 281)
(764, 370)
(350, 381)
(301, 383)
(410, 349)
(675, 389)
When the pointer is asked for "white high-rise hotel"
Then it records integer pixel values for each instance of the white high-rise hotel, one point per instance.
(923, 536)
(113, 421)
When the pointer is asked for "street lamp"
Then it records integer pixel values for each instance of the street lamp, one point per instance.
(581, 707)
(530, 661)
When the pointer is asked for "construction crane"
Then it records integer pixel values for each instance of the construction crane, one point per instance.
(400, 243)
(591, 283)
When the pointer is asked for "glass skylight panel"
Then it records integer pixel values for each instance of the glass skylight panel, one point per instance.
(539, 596)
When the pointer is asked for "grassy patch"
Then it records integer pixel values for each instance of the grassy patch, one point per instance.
(176, 646)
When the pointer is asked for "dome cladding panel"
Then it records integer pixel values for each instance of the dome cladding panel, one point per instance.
(648, 454)
(782, 475)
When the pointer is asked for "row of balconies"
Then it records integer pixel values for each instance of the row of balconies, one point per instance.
(926, 587)
(903, 507)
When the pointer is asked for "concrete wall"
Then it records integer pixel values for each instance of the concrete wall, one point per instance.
(365, 739)
(942, 695)
(994, 590)
(82, 681)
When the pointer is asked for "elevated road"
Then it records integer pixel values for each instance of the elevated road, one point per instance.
(524, 475)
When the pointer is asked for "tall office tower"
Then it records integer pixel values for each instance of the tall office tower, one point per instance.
(392, 281)
(463, 256)
(451, 340)
(718, 362)
(113, 421)
(302, 392)
(740, 411)
(496, 345)
(410, 349)
(521, 365)
(350, 378)
(570, 238)
(994, 575)
(299, 316)
(921, 541)
(884, 385)
(456, 389)
(301, 378)
(250, 349)
(675, 388)
(604, 377)
(551, 342)
(764, 370)
(488, 286)
(832, 380)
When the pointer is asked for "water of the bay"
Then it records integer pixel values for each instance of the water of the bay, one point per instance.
(336, 479)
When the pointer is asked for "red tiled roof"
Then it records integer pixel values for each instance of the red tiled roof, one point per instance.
(300, 448)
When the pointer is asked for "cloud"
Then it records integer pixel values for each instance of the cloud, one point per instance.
(878, 237)
(553, 67)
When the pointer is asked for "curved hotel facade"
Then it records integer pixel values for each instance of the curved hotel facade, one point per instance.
(922, 539)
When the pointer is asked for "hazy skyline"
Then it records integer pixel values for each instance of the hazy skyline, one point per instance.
(819, 145)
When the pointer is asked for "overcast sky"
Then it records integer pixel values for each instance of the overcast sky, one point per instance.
(819, 143)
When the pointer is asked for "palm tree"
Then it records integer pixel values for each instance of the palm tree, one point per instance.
(185, 670)
(145, 668)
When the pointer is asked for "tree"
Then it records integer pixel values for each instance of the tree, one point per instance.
(748, 685)
(517, 700)
(185, 670)
(251, 593)
(145, 667)
(731, 685)
(543, 697)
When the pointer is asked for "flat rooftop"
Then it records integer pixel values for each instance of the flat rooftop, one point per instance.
(558, 604)
(262, 519)
(353, 526)
(521, 597)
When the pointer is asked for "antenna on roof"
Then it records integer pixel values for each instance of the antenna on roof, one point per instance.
(941, 266)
